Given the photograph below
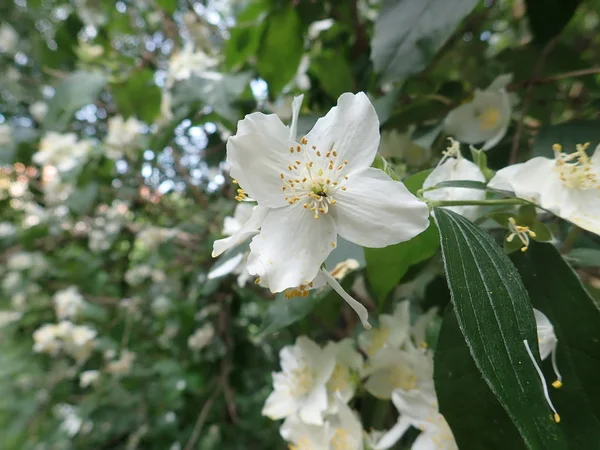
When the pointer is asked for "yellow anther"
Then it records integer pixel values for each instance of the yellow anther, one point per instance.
(557, 147)
(556, 418)
(291, 149)
(234, 181)
(318, 153)
(298, 162)
(304, 141)
(257, 281)
(557, 384)
(327, 154)
(343, 188)
(334, 153)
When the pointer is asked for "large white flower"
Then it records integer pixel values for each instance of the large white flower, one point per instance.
(567, 185)
(301, 386)
(485, 118)
(63, 151)
(454, 167)
(392, 369)
(392, 332)
(316, 188)
(420, 410)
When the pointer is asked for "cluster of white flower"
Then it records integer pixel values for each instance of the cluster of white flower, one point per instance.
(9, 39)
(63, 151)
(188, 62)
(68, 303)
(107, 224)
(89, 378)
(121, 366)
(136, 275)
(152, 237)
(72, 423)
(19, 278)
(6, 136)
(311, 190)
(122, 137)
(313, 390)
(77, 341)
(201, 337)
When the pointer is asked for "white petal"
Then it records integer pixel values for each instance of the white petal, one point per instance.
(296, 105)
(256, 161)
(585, 211)
(226, 268)
(291, 246)
(500, 82)
(351, 129)
(279, 405)
(528, 180)
(505, 114)
(393, 435)
(376, 211)
(503, 179)
(314, 406)
(267, 124)
(358, 307)
(246, 230)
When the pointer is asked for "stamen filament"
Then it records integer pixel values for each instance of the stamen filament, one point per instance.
(543, 380)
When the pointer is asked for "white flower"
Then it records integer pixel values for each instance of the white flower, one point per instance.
(454, 167)
(6, 135)
(392, 332)
(315, 28)
(38, 110)
(241, 214)
(8, 317)
(392, 369)
(122, 136)
(310, 191)
(9, 39)
(302, 436)
(568, 185)
(346, 427)
(201, 337)
(301, 386)
(395, 144)
(548, 342)
(346, 373)
(188, 62)
(79, 341)
(485, 118)
(121, 366)
(46, 339)
(63, 151)
(88, 378)
(34, 263)
(152, 237)
(68, 303)
(420, 410)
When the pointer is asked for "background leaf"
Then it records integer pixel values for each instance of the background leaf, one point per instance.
(138, 96)
(568, 135)
(547, 18)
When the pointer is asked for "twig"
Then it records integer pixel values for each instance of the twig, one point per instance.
(225, 329)
(201, 419)
(550, 79)
(539, 65)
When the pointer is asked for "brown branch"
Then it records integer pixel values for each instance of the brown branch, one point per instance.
(201, 419)
(552, 78)
(537, 69)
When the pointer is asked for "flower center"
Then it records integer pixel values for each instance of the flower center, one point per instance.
(302, 381)
(378, 340)
(523, 233)
(342, 440)
(339, 378)
(489, 118)
(314, 178)
(576, 170)
(302, 444)
(401, 377)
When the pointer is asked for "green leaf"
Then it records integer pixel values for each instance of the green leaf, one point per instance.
(218, 92)
(475, 416)
(584, 257)
(244, 40)
(408, 33)
(83, 198)
(469, 184)
(170, 6)
(387, 266)
(495, 317)
(480, 158)
(567, 134)
(332, 70)
(557, 291)
(73, 92)
(547, 18)
(381, 163)
(281, 49)
(138, 96)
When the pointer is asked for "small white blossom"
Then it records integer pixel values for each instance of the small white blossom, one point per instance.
(9, 39)
(201, 337)
(121, 366)
(454, 167)
(46, 339)
(88, 378)
(122, 136)
(484, 119)
(567, 185)
(188, 62)
(68, 303)
(392, 332)
(301, 386)
(152, 237)
(8, 317)
(7, 230)
(34, 263)
(64, 151)
(6, 136)
(38, 110)
(346, 373)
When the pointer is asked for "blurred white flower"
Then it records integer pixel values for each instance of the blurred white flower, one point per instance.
(301, 386)
(9, 39)
(79, 340)
(6, 136)
(34, 263)
(186, 63)
(8, 317)
(89, 52)
(88, 378)
(346, 373)
(38, 110)
(392, 369)
(454, 167)
(393, 331)
(64, 151)
(568, 185)
(72, 423)
(201, 337)
(138, 274)
(7, 230)
(121, 366)
(315, 28)
(396, 144)
(301, 79)
(46, 339)
(12, 281)
(68, 303)
(485, 118)
(301, 435)
(122, 136)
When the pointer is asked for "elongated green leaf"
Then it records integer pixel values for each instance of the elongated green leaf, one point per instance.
(495, 317)
(408, 33)
(557, 291)
(477, 419)
(138, 96)
(547, 18)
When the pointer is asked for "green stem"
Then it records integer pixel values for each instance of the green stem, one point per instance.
(502, 201)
